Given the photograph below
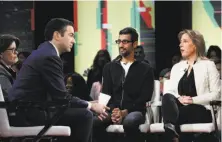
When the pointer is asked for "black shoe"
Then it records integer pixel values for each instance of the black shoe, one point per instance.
(171, 130)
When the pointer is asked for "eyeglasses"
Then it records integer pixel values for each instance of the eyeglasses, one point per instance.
(13, 50)
(123, 41)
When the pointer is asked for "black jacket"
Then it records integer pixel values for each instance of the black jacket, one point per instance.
(41, 77)
(130, 92)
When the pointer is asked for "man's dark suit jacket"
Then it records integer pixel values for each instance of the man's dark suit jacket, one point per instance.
(42, 75)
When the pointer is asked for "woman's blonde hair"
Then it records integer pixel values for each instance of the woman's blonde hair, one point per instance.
(197, 39)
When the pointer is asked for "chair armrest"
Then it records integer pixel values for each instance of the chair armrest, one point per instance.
(154, 104)
(215, 106)
(60, 106)
(215, 103)
(153, 109)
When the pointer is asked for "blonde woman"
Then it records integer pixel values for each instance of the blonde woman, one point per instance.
(194, 83)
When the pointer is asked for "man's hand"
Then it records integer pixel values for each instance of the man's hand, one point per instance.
(99, 108)
(188, 100)
(118, 115)
(185, 100)
(96, 101)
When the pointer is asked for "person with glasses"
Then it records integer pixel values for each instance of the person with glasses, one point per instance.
(41, 79)
(130, 84)
(8, 57)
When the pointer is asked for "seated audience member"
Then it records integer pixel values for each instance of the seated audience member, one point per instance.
(95, 73)
(218, 66)
(140, 54)
(22, 56)
(194, 82)
(214, 53)
(175, 59)
(76, 85)
(8, 57)
(130, 84)
(41, 79)
(164, 75)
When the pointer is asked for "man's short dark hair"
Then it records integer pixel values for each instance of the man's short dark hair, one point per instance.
(131, 31)
(56, 24)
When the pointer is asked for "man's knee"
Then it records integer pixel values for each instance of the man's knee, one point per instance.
(88, 114)
(132, 121)
(97, 123)
(168, 97)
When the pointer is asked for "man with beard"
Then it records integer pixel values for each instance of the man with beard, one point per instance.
(130, 84)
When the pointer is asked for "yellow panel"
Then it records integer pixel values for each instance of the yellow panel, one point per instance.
(119, 17)
(89, 39)
(202, 23)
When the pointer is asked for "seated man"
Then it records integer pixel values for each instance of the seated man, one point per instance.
(218, 66)
(41, 78)
(130, 84)
(140, 54)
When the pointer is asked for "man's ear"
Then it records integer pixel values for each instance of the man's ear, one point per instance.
(135, 44)
(56, 35)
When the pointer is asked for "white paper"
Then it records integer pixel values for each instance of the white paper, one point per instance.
(104, 98)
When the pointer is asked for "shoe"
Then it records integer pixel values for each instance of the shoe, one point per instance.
(170, 129)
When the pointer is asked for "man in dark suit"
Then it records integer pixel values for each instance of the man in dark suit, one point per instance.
(41, 77)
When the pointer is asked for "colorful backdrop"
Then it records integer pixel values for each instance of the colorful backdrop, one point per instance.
(206, 19)
(97, 24)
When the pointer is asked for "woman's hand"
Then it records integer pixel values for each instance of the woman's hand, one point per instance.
(185, 100)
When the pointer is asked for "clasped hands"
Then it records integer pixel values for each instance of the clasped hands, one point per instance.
(116, 116)
(185, 100)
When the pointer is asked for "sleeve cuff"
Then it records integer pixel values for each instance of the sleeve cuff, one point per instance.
(89, 105)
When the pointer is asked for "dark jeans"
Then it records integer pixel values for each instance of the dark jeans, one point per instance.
(176, 113)
(80, 120)
(130, 124)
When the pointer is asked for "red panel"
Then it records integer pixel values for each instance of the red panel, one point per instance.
(103, 39)
(75, 15)
(104, 11)
(146, 15)
(105, 21)
(33, 19)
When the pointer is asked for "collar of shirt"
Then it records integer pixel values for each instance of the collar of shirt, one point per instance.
(5, 64)
(55, 49)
